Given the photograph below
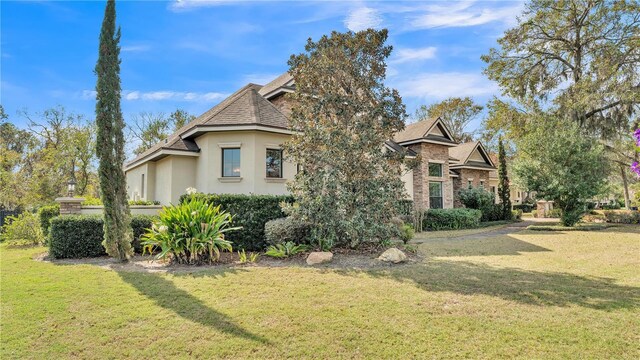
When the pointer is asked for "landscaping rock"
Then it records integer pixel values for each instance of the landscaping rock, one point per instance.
(319, 258)
(393, 255)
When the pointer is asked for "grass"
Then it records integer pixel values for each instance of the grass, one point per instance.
(577, 227)
(446, 234)
(525, 295)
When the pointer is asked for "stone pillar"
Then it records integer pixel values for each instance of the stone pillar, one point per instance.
(70, 205)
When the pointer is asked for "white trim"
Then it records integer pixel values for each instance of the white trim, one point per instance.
(160, 152)
(273, 146)
(418, 141)
(230, 179)
(277, 91)
(275, 180)
(439, 120)
(437, 161)
(210, 128)
(230, 145)
(453, 175)
(456, 167)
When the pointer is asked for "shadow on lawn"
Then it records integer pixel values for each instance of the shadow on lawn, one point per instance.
(523, 286)
(480, 246)
(164, 293)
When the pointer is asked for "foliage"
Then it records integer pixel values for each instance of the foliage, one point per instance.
(516, 214)
(45, 214)
(452, 219)
(287, 229)
(483, 200)
(406, 233)
(37, 162)
(525, 208)
(622, 217)
(455, 112)
(582, 55)
(284, 250)
(559, 163)
(110, 140)
(149, 128)
(579, 227)
(504, 192)
(243, 257)
(190, 233)
(78, 236)
(97, 201)
(342, 114)
(22, 229)
(251, 212)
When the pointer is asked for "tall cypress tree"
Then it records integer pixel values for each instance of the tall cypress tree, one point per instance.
(110, 140)
(503, 184)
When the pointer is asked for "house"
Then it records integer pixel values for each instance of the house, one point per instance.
(235, 147)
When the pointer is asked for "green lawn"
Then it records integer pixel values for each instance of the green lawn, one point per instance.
(526, 295)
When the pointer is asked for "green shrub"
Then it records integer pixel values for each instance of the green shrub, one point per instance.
(78, 236)
(189, 233)
(22, 229)
(285, 249)
(406, 233)
(526, 208)
(516, 214)
(244, 258)
(452, 219)
(556, 213)
(480, 199)
(251, 212)
(622, 216)
(287, 229)
(46, 213)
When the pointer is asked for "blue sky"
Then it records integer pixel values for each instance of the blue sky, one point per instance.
(191, 54)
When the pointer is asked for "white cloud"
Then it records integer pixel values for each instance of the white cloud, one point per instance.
(444, 85)
(363, 18)
(405, 55)
(181, 5)
(465, 14)
(165, 95)
(135, 48)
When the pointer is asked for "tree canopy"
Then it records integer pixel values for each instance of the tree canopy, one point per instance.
(455, 112)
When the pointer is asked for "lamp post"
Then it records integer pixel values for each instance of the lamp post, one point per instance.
(71, 187)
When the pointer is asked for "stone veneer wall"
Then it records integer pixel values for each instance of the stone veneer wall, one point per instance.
(461, 182)
(421, 179)
(282, 104)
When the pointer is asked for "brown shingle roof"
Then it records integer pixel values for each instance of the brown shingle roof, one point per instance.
(278, 82)
(415, 131)
(244, 107)
(462, 151)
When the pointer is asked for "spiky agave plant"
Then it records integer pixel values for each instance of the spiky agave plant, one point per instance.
(190, 233)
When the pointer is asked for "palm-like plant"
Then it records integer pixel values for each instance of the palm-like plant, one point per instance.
(189, 233)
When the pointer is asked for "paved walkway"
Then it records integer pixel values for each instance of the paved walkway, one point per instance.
(505, 230)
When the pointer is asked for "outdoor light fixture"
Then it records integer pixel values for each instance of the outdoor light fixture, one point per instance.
(71, 187)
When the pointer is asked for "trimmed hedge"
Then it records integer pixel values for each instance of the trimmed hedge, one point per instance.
(46, 213)
(287, 229)
(451, 219)
(622, 216)
(249, 211)
(78, 236)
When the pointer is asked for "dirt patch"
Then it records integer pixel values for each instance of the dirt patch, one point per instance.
(342, 259)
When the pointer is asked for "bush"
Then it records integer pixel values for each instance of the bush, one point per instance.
(451, 219)
(622, 217)
(78, 236)
(554, 213)
(406, 233)
(46, 213)
(189, 233)
(285, 250)
(287, 229)
(525, 208)
(480, 199)
(516, 214)
(251, 212)
(22, 229)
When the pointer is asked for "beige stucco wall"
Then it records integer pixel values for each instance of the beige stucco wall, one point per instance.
(407, 179)
(135, 189)
(135, 210)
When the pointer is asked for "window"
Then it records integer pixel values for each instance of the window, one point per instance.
(142, 187)
(435, 195)
(231, 162)
(470, 184)
(435, 170)
(481, 183)
(274, 163)
(493, 189)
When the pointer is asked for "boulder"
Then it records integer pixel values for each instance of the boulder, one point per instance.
(393, 255)
(319, 257)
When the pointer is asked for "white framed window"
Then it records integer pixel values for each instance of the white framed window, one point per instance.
(435, 195)
(274, 163)
(230, 162)
(435, 169)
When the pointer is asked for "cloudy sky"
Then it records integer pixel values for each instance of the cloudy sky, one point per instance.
(191, 54)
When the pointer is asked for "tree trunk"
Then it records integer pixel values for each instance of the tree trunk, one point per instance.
(625, 184)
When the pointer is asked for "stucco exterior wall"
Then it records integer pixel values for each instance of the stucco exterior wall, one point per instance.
(136, 190)
(407, 179)
(162, 191)
(438, 154)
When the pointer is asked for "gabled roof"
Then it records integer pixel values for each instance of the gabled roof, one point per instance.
(242, 108)
(283, 83)
(463, 154)
(394, 146)
(430, 130)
